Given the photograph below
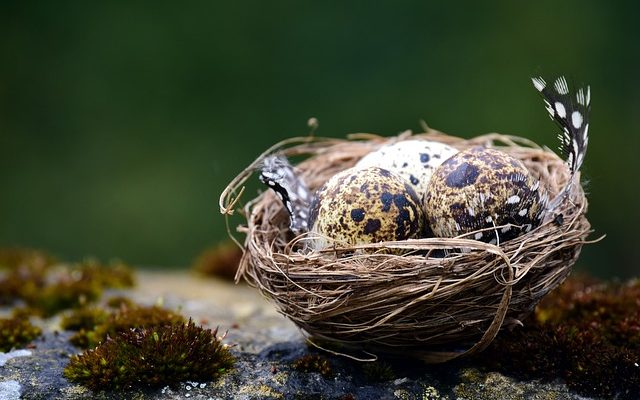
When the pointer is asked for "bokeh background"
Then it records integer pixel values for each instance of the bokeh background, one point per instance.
(121, 123)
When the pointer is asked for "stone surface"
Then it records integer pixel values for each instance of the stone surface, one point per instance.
(266, 345)
(10, 390)
(4, 357)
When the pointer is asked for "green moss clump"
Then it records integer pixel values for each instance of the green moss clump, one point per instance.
(26, 312)
(126, 319)
(586, 332)
(313, 363)
(378, 371)
(119, 302)
(152, 357)
(31, 277)
(16, 257)
(84, 318)
(116, 274)
(62, 295)
(84, 338)
(16, 332)
(26, 270)
(123, 320)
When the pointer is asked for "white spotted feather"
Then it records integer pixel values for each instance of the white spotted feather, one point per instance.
(277, 173)
(571, 112)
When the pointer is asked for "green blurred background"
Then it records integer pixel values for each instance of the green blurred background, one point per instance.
(121, 123)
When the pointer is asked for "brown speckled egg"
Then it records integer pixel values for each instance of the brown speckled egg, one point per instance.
(359, 206)
(415, 160)
(483, 188)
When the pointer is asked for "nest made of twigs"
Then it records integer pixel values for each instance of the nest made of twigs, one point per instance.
(448, 297)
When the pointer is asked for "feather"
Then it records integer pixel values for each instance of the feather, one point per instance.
(570, 110)
(277, 173)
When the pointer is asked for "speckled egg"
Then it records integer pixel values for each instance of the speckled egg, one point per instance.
(414, 160)
(483, 188)
(365, 205)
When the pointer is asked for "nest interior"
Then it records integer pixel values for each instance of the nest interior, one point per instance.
(442, 298)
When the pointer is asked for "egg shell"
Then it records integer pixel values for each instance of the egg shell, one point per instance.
(483, 188)
(370, 205)
(414, 160)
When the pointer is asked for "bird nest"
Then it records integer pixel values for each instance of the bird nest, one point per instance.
(442, 298)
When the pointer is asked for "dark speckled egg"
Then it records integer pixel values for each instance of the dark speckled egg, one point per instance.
(483, 188)
(364, 205)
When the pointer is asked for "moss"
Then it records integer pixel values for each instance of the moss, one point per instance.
(123, 320)
(64, 294)
(313, 363)
(15, 257)
(116, 274)
(84, 321)
(23, 275)
(32, 278)
(119, 302)
(84, 318)
(16, 332)
(152, 357)
(26, 312)
(84, 338)
(220, 261)
(378, 371)
(586, 332)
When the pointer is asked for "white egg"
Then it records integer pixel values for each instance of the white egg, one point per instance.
(414, 160)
